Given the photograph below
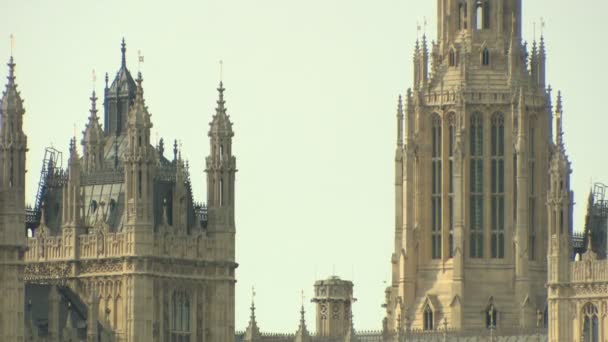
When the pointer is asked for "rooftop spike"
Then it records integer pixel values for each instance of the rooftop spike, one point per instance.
(558, 117)
(11, 71)
(123, 50)
(93, 109)
(220, 102)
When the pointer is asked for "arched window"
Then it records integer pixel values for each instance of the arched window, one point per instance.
(476, 187)
(428, 318)
(479, 15)
(491, 317)
(590, 323)
(452, 58)
(485, 57)
(482, 14)
(180, 322)
(436, 189)
(498, 187)
(463, 14)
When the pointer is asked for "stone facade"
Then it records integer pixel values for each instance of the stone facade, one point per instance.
(473, 147)
(13, 147)
(121, 251)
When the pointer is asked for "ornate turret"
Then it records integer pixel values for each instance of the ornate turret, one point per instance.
(140, 166)
(221, 169)
(119, 98)
(72, 204)
(559, 205)
(93, 140)
(334, 299)
(13, 147)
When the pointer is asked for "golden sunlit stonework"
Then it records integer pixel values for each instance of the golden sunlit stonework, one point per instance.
(116, 249)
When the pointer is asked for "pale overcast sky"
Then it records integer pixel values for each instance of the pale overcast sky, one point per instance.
(311, 89)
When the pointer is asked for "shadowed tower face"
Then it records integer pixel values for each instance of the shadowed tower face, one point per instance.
(474, 141)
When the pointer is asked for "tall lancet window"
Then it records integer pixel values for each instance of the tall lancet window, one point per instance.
(180, 322)
(436, 190)
(451, 123)
(590, 323)
(482, 14)
(532, 191)
(476, 187)
(463, 12)
(428, 318)
(498, 186)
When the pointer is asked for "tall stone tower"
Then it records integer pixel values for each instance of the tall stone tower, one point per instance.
(334, 299)
(13, 146)
(473, 150)
(221, 171)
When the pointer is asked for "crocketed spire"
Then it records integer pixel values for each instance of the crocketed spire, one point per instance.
(221, 124)
(123, 82)
(139, 114)
(252, 333)
(93, 131)
(559, 161)
(12, 104)
(302, 334)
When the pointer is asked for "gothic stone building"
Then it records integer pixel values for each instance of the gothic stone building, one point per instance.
(119, 250)
(475, 149)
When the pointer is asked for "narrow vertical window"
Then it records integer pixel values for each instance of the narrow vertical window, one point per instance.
(479, 15)
(491, 316)
(590, 323)
(436, 234)
(486, 14)
(428, 318)
(139, 183)
(180, 324)
(532, 192)
(476, 187)
(451, 121)
(498, 187)
(485, 57)
(452, 58)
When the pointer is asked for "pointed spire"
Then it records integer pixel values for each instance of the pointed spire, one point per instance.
(140, 89)
(123, 50)
(541, 49)
(175, 150)
(93, 109)
(107, 80)
(73, 152)
(11, 71)
(252, 333)
(221, 109)
(558, 116)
